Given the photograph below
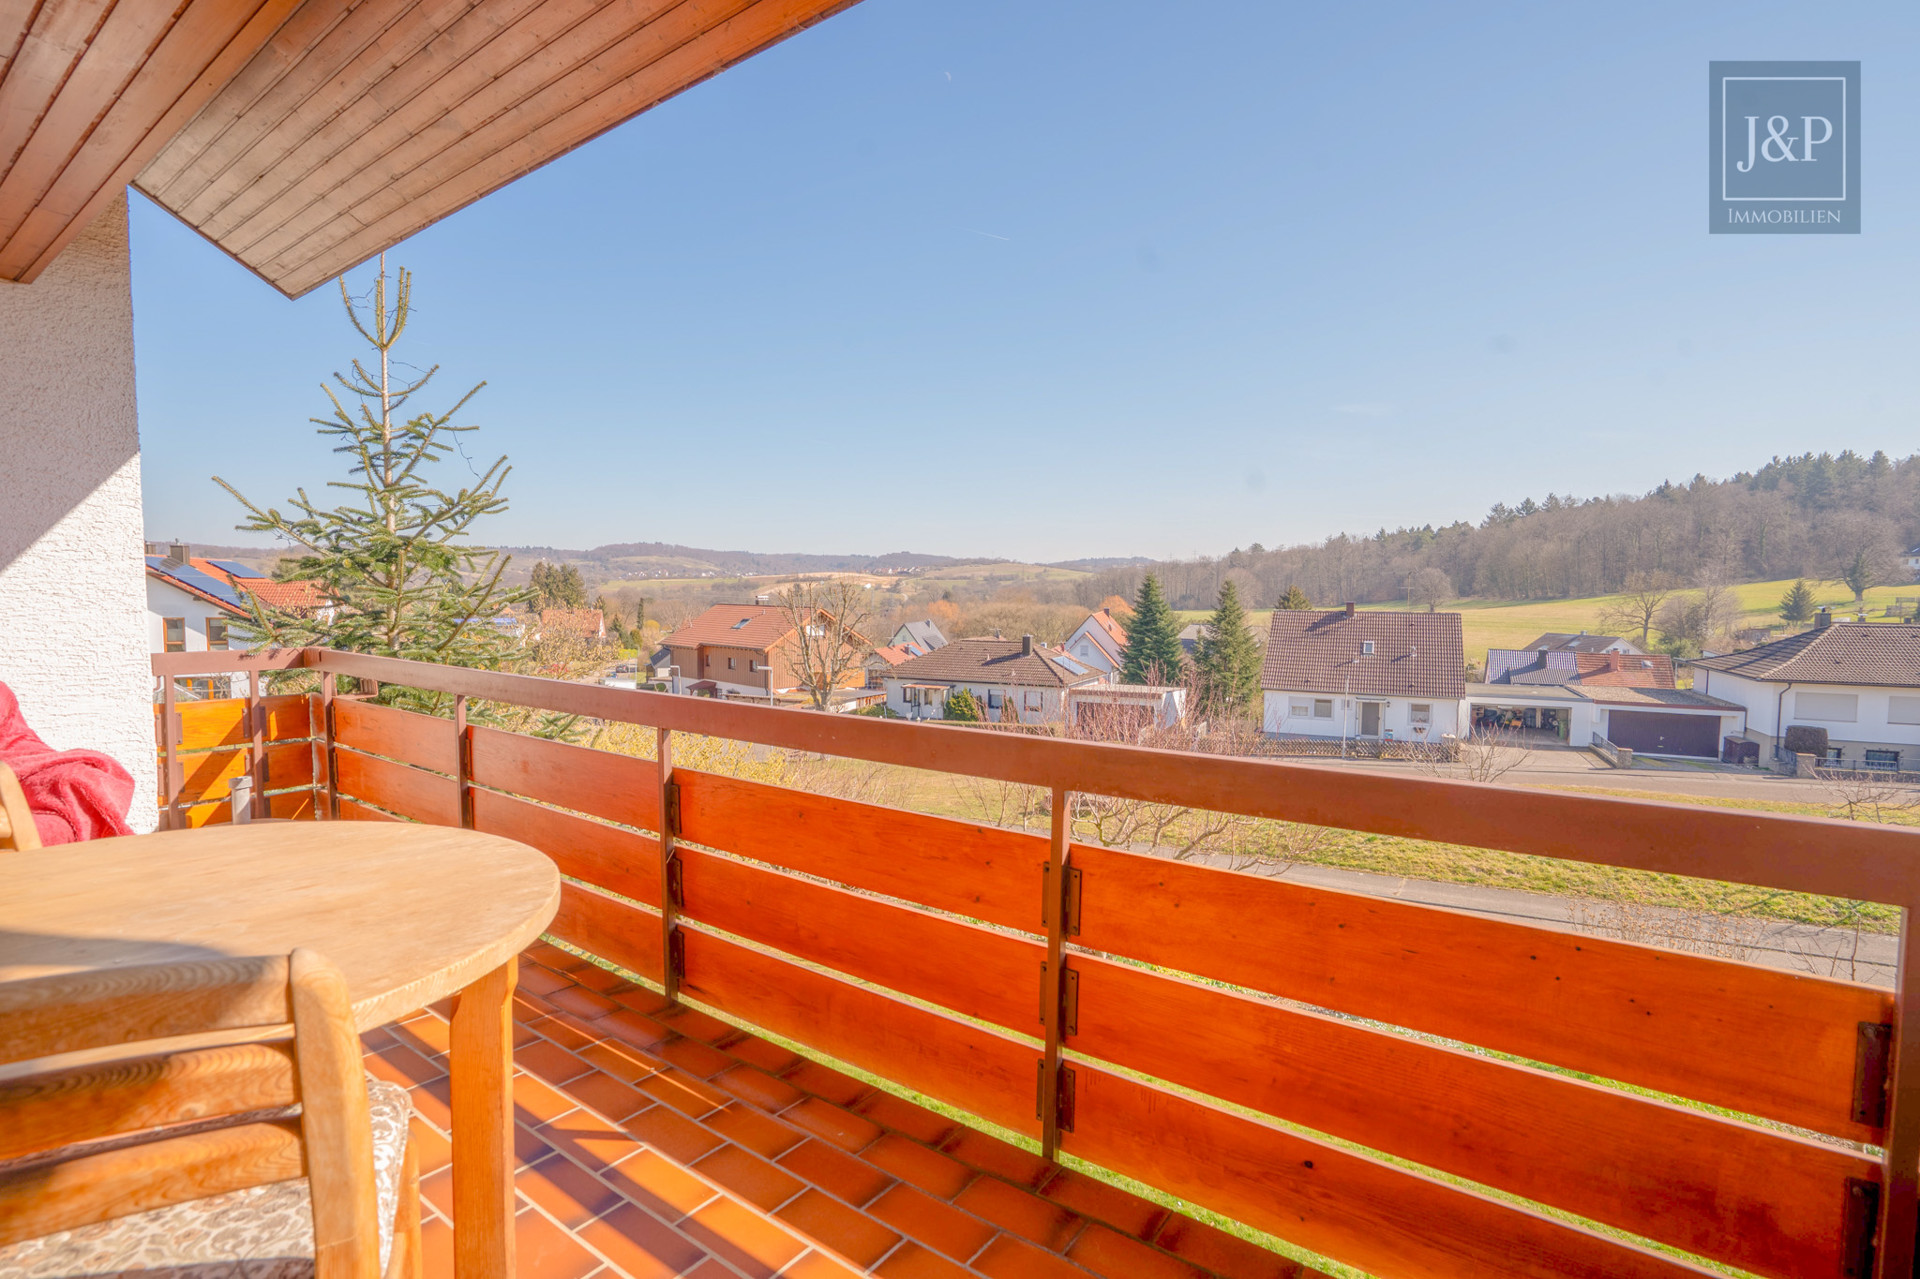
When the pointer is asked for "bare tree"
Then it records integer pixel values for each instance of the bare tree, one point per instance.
(1485, 756)
(1865, 797)
(1638, 604)
(1429, 586)
(829, 621)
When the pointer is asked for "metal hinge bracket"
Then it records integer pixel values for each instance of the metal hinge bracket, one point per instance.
(1872, 1051)
(1861, 1229)
(1069, 998)
(673, 808)
(677, 953)
(1063, 1095)
(1072, 908)
(676, 881)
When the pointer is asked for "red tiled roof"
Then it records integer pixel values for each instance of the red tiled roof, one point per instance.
(760, 626)
(1414, 654)
(1116, 605)
(989, 661)
(287, 596)
(1883, 654)
(894, 654)
(1630, 670)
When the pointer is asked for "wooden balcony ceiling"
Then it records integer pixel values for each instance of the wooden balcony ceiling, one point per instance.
(304, 136)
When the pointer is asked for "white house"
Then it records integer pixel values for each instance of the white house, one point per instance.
(1346, 673)
(1099, 644)
(924, 636)
(1012, 680)
(1570, 642)
(1102, 709)
(1858, 680)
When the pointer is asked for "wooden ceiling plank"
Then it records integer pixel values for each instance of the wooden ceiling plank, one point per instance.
(205, 30)
(767, 23)
(480, 125)
(302, 136)
(555, 38)
(335, 72)
(112, 58)
(55, 42)
(238, 53)
(236, 99)
(16, 17)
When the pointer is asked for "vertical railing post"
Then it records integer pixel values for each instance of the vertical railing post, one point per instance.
(1054, 982)
(169, 757)
(463, 752)
(670, 953)
(257, 722)
(327, 683)
(1899, 1212)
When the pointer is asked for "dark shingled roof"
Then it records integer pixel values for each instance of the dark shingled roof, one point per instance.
(1568, 642)
(988, 661)
(1414, 654)
(1844, 653)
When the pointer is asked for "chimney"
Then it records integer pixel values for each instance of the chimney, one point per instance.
(179, 552)
(1823, 619)
(1613, 661)
(1349, 608)
(1026, 646)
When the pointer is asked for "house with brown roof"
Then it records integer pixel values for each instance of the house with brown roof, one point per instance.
(1858, 680)
(1369, 674)
(1099, 642)
(739, 650)
(1012, 680)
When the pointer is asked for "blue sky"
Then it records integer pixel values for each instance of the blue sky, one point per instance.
(1075, 278)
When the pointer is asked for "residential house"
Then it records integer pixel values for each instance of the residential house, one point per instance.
(885, 658)
(1111, 712)
(1099, 643)
(1570, 666)
(1562, 641)
(1010, 679)
(198, 605)
(1576, 694)
(739, 650)
(1912, 559)
(1375, 674)
(1192, 634)
(1858, 680)
(922, 635)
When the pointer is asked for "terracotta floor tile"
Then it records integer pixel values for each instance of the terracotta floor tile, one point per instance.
(911, 1261)
(847, 1231)
(582, 1002)
(639, 1245)
(523, 1034)
(754, 1129)
(536, 1102)
(749, 1176)
(745, 1238)
(695, 1024)
(825, 1081)
(640, 999)
(1022, 1167)
(659, 1184)
(571, 1195)
(402, 1065)
(930, 1170)
(436, 1249)
(1224, 1254)
(541, 981)
(686, 1093)
(596, 978)
(758, 1087)
(431, 1148)
(692, 1056)
(438, 1190)
(929, 1221)
(927, 1126)
(1021, 1211)
(1108, 1252)
(427, 1034)
(591, 1140)
(1123, 1210)
(835, 1171)
(542, 952)
(568, 1031)
(818, 1265)
(711, 1269)
(529, 1147)
(543, 1250)
(607, 1095)
(832, 1123)
(1010, 1258)
(430, 1102)
(623, 1061)
(549, 1061)
(633, 1028)
(755, 1051)
(670, 1132)
(374, 1040)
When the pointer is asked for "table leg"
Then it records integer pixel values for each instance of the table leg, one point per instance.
(482, 1070)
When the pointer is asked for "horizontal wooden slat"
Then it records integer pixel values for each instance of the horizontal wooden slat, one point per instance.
(964, 1065)
(223, 722)
(1762, 1200)
(424, 741)
(210, 775)
(604, 856)
(77, 1011)
(981, 872)
(294, 805)
(1769, 1043)
(351, 811)
(618, 788)
(410, 792)
(1362, 1211)
(971, 970)
(617, 931)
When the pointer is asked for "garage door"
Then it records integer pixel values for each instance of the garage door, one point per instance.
(1664, 733)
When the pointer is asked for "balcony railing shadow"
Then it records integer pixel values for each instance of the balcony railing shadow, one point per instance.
(1401, 1088)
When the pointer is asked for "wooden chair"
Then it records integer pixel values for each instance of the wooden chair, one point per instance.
(17, 830)
(147, 1121)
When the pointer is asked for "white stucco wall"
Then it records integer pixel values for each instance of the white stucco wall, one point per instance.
(1396, 716)
(72, 592)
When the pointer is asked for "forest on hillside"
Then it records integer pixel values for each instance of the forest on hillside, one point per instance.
(1815, 516)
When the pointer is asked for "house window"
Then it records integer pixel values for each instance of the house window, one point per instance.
(1838, 708)
(175, 629)
(993, 699)
(1300, 710)
(1366, 647)
(216, 634)
(730, 665)
(1903, 710)
(1323, 708)
(752, 666)
(1033, 701)
(1888, 760)
(1422, 712)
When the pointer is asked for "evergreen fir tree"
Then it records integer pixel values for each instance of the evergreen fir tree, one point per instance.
(557, 586)
(962, 706)
(395, 560)
(1229, 659)
(1797, 606)
(1295, 600)
(1154, 655)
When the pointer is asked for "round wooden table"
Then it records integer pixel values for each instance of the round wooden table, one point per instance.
(411, 914)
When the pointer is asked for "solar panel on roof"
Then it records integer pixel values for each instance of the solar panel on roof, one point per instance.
(236, 568)
(205, 582)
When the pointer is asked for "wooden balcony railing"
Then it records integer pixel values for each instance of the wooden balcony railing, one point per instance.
(1406, 1089)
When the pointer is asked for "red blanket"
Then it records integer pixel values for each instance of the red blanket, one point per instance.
(74, 795)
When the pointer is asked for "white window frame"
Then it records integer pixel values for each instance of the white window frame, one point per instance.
(1300, 710)
(1032, 701)
(1903, 710)
(1319, 702)
(1827, 708)
(1366, 648)
(1420, 713)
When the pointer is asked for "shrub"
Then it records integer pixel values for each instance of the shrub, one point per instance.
(962, 706)
(1805, 739)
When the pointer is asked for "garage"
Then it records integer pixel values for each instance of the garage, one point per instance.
(1665, 733)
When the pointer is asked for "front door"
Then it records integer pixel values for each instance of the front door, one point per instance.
(1369, 719)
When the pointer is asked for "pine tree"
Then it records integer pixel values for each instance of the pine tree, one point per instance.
(1295, 600)
(1154, 655)
(395, 561)
(962, 706)
(557, 586)
(1796, 607)
(1229, 660)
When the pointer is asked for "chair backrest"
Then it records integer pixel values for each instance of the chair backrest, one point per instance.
(17, 830)
(128, 1089)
